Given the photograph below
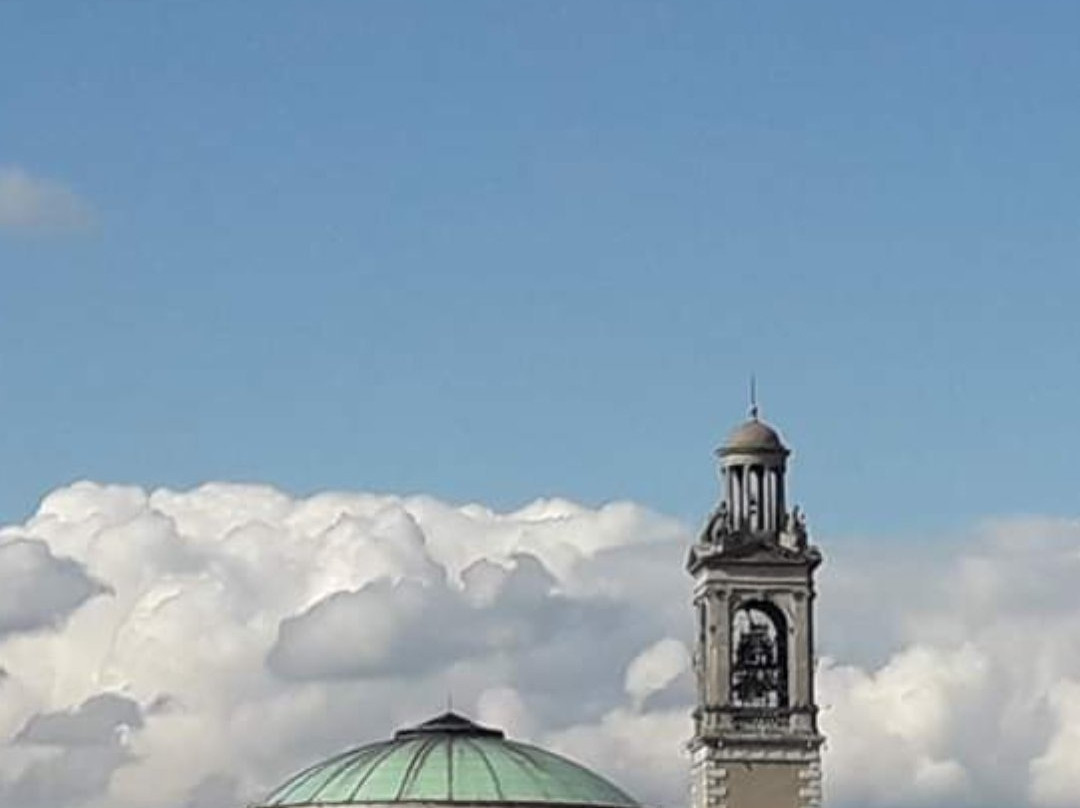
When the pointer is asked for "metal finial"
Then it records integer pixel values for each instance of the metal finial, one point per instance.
(449, 701)
(753, 397)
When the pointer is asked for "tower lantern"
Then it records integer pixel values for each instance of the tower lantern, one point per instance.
(756, 742)
(753, 462)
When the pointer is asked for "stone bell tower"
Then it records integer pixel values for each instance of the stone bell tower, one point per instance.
(756, 742)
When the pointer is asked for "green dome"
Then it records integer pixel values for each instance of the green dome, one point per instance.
(446, 760)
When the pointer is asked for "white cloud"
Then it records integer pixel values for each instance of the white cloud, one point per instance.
(247, 633)
(890, 731)
(82, 748)
(97, 721)
(641, 750)
(504, 708)
(965, 711)
(655, 668)
(1055, 775)
(36, 204)
(37, 589)
(259, 632)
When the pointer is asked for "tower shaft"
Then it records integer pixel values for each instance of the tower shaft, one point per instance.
(756, 742)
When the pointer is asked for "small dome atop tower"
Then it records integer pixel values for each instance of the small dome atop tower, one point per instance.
(753, 435)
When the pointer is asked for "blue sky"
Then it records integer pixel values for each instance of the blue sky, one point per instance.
(499, 250)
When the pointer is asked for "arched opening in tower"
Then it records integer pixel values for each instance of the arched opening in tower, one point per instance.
(759, 656)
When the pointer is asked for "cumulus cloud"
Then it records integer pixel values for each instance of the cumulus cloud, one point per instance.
(36, 204)
(974, 708)
(1055, 775)
(97, 721)
(247, 633)
(655, 668)
(414, 625)
(260, 631)
(83, 746)
(37, 589)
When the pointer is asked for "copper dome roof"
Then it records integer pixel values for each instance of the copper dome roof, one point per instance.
(449, 760)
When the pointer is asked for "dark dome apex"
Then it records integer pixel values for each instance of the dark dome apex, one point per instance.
(449, 723)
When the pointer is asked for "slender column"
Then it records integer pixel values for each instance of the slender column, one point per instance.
(778, 514)
(761, 499)
(755, 496)
(770, 499)
(752, 497)
(781, 505)
(736, 495)
(746, 476)
(741, 471)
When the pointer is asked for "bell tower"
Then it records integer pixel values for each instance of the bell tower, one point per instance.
(756, 742)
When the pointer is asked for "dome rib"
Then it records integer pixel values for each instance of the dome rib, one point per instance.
(380, 768)
(338, 773)
(517, 754)
(414, 767)
(487, 765)
(365, 762)
(450, 768)
(303, 779)
(355, 758)
(372, 760)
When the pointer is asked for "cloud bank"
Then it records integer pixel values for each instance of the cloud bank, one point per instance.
(36, 204)
(191, 649)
